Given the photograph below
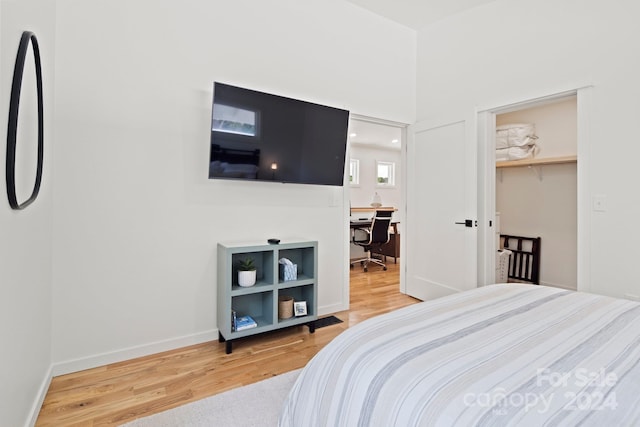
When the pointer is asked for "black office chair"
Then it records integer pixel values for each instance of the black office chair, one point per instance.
(377, 235)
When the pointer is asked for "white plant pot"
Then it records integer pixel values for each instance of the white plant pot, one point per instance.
(247, 278)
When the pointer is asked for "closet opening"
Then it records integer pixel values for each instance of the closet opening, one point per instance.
(533, 183)
(536, 193)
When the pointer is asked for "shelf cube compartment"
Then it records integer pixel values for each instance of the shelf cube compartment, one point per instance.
(258, 305)
(303, 258)
(301, 293)
(263, 260)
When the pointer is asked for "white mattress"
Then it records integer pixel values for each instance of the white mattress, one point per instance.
(507, 354)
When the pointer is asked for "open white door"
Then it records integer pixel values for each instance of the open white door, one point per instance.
(441, 227)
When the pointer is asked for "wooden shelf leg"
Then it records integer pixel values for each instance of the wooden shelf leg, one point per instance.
(228, 347)
(312, 327)
(220, 337)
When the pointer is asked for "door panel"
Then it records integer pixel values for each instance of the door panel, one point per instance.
(441, 255)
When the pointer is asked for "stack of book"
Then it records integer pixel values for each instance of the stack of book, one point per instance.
(240, 323)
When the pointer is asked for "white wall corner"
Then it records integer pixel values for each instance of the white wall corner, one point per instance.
(39, 400)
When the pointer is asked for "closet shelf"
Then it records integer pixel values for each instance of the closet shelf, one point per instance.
(537, 162)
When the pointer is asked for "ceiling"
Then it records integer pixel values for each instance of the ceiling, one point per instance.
(417, 14)
(414, 14)
(381, 135)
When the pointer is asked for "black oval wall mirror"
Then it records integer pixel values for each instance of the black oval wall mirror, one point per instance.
(27, 39)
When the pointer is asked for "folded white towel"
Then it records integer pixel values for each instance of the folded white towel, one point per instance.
(515, 153)
(515, 135)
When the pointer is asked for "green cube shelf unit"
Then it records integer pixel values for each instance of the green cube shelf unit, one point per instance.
(260, 301)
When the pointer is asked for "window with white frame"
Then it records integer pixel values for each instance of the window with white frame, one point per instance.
(385, 174)
(354, 172)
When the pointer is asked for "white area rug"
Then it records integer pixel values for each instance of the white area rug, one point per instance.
(254, 405)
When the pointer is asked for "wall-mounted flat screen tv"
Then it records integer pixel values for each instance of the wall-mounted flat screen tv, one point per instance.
(263, 137)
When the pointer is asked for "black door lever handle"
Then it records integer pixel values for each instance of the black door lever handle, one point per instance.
(466, 223)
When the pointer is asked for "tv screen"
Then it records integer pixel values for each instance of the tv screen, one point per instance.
(264, 137)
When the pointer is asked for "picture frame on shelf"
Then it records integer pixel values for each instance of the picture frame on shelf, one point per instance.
(300, 308)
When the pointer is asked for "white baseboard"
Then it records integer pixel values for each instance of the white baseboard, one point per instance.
(80, 364)
(75, 365)
(332, 308)
(42, 393)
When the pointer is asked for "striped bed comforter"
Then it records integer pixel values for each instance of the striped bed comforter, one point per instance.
(520, 355)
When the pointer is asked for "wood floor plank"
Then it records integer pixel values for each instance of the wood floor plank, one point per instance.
(120, 392)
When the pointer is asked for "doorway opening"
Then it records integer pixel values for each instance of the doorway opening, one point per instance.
(375, 166)
(544, 193)
(536, 188)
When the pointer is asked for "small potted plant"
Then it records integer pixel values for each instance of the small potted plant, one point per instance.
(246, 272)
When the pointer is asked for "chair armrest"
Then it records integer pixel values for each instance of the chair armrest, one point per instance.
(366, 230)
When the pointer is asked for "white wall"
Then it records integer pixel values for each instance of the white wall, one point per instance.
(136, 220)
(368, 155)
(510, 51)
(542, 201)
(25, 236)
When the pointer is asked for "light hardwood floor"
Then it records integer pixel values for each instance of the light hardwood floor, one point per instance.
(114, 394)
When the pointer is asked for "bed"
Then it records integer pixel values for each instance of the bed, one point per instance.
(505, 354)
